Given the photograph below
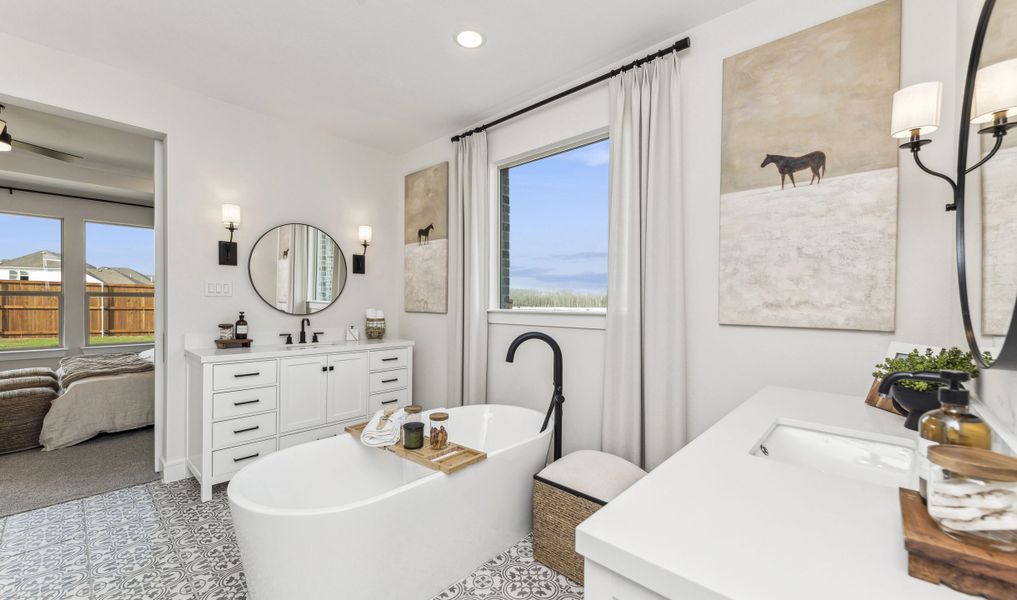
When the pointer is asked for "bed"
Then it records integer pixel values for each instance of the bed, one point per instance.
(100, 394)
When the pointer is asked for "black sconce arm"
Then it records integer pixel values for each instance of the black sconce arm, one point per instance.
(995, 149)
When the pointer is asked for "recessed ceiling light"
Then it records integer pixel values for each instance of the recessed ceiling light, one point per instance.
(469, 39)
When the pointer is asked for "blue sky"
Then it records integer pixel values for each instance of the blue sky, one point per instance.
(558, 221)
(105, 245)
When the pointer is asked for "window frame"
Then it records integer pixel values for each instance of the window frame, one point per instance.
(497, 203)
(59, 348)
(86, 344)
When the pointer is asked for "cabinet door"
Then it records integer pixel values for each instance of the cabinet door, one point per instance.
(302, 392)
(347, 386)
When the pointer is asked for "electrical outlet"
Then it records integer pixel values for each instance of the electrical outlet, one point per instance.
(218, 289)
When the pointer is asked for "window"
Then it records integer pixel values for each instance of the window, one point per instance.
(119, 287)
(323, 267)
(31, 300)
(553, 231)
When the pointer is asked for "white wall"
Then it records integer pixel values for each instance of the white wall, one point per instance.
(216, 153)
(73, 213)
(726, 364)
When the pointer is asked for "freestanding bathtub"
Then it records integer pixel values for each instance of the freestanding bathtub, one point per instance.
(335, 519)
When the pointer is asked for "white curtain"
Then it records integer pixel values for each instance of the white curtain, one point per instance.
(644, 374)
(468, 271)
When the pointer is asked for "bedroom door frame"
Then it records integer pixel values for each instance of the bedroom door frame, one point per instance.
(159, 191)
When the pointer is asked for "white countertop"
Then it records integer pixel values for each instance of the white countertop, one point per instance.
(716, 519)
(214, 355)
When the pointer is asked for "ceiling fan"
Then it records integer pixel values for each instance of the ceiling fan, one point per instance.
(7, 143)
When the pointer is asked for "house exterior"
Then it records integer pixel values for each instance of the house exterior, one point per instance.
(44, 265)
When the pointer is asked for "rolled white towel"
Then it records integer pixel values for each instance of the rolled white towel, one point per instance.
(995, 499)
(387, 435)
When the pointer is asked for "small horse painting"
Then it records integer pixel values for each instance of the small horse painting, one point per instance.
(787, 166)
(424, 234)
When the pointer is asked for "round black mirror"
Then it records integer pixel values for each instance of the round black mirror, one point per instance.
(987, 183)
(297, 269)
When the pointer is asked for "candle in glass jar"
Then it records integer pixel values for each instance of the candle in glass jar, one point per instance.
(413, 435)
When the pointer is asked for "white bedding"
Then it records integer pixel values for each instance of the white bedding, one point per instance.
(99, 405)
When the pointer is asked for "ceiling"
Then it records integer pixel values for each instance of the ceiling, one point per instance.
(115, 164)
(386, 73)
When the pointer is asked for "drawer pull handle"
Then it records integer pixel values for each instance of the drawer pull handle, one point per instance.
(248, 457)
(255, 401)
(255, 374)
(246, 429)
(331, 368)
(390, 358)
(324, 369)
(390, 380)
(325, 437)
(390, 401)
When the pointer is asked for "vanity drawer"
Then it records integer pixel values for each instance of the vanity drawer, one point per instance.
(231, 460)
(244, 429)
(389, 359)
(227, 405)
(295, 439)
(388, 380)
(243, 375)
(387, 400)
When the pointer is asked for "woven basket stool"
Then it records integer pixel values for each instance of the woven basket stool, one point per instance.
(565, 493)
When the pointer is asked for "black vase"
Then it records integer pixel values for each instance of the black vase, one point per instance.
(913, 403)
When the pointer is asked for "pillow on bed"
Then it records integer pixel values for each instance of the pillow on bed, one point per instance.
(22, 383)
(29, 372)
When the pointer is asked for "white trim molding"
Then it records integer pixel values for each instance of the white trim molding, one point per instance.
(563, 319)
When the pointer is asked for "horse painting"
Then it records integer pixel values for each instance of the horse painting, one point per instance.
(787, 166)
(424, 234)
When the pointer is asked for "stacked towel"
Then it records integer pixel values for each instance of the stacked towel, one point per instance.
(967, 506)
(387, 435)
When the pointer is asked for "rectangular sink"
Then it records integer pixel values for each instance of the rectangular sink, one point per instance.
(880, 460)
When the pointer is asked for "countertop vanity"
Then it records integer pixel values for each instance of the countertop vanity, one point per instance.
(814, 515)
(246, 403)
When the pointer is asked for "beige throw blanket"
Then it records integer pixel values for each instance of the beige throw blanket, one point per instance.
(76, 368)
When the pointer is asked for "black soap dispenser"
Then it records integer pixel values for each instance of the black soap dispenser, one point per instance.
(951, 423)
(240, 330)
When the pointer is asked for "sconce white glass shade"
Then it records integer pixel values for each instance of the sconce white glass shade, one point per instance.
(231, 214)
(995, 91)
(916, 107)
(365, 233)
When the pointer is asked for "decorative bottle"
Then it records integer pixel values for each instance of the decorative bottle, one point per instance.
(240, 330)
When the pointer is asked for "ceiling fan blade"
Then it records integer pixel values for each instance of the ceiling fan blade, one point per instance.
(44, 151)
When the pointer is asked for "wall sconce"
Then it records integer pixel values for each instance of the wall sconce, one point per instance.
(916, 113)
(231, 219)
(360, 260)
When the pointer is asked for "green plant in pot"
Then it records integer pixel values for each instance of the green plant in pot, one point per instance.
(915, 398)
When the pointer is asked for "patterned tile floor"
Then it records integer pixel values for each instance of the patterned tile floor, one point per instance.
(159, 541)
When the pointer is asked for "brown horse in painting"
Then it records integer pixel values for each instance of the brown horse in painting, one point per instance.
(787, 166)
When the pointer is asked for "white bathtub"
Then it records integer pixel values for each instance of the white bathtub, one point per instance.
(336, 519)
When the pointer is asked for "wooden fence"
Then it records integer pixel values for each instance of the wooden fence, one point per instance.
(39, 316)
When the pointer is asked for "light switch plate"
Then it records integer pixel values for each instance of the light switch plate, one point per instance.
(218, 289)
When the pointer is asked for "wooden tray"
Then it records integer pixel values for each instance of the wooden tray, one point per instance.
(936, 557)
(223, 344)
(459, 457)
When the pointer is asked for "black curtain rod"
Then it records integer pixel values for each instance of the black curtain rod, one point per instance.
(11, 190)
(682, 44)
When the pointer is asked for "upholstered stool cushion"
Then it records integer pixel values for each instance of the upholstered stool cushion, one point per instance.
(565, 493)
(21, 414)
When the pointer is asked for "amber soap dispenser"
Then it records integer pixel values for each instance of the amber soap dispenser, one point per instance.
(951, 423)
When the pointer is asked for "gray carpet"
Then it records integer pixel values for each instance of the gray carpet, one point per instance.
(35, 479)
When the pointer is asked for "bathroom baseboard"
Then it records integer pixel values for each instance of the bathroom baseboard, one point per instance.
(174, 470)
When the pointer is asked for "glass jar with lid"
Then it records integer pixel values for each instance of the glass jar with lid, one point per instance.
(439, 430)
(413, 413)
(972, 495)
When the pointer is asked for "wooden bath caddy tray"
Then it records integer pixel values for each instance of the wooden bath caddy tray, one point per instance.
(459, 457)
(224, 344)
(938, 558)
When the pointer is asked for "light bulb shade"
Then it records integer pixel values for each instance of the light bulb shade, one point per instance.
(916, 107)
(231, 215)
(365, 233)
(995, 91)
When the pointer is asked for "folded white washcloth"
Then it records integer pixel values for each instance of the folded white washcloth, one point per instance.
(387, 435)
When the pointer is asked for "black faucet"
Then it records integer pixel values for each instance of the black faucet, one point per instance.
(557, 397)
(303, 333)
